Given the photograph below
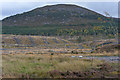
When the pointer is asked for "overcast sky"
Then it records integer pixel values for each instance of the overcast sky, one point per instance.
(12, 8)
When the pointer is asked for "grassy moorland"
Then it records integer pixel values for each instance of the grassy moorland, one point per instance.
(55, 66)
(48, 42)
(26, 56)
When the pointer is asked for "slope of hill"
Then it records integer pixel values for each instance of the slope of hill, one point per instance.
(51, 20)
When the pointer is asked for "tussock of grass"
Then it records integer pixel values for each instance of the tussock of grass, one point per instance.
(76, 65)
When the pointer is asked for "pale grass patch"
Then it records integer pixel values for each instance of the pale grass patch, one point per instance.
(76, 65)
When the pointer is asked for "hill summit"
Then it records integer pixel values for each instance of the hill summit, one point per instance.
(61, 14)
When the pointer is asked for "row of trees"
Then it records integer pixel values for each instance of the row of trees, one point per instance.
(88, 31)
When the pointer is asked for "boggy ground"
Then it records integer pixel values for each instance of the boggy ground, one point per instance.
(55, 66)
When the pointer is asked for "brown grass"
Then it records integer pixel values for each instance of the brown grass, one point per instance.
(38, 65)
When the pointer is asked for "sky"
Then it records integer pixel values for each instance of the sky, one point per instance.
(9, 8)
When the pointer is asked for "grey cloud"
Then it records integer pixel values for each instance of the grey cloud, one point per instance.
(101, 7)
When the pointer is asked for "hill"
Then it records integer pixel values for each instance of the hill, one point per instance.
(60, 19)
